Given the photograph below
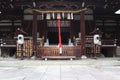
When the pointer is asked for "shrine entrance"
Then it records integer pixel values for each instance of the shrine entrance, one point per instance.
(52, 36)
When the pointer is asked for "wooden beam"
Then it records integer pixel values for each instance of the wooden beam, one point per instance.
(59, 11)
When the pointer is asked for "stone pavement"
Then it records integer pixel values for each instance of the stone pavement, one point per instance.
(87, 69)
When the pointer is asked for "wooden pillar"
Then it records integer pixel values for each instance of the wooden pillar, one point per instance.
(34, 34)
(71, 30)
(45, 29)
(82, 30)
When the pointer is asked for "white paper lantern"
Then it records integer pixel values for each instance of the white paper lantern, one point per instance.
(20, 39)
(48, 16)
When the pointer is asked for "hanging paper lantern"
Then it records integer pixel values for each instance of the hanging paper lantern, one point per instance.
(53, 15)
(72, 16)
(42, 16)
(48, 16)
(63, 15)
(68, 16)
(58, 16)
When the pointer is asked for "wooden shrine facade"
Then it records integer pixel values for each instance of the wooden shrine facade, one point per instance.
(44, 31)
(67, 51)
(41, 34)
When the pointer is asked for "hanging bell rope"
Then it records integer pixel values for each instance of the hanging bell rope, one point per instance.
(59, 33)
(59, 11)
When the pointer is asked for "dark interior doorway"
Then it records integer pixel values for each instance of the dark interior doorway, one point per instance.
(108, 51)
(53, 38)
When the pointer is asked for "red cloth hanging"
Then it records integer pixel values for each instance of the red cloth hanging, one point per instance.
(59, 35)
